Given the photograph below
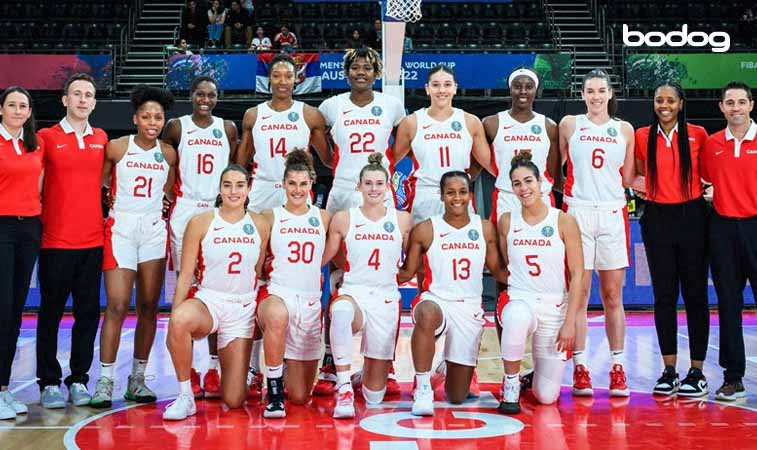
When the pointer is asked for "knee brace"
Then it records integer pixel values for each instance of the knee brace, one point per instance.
(373, 397)
(516, 320)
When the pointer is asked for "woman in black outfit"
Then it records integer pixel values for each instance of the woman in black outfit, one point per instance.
(674, 229)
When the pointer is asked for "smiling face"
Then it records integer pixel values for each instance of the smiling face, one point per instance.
(204, 98)
(456, 196)
(523, 91)
(234, 189)
(736, 107)
(149, 119)
(16, 110)
(596, 94)
(526, 186)
(361, 74)
(667, 105)
(297, 185)
(80, 100)
(441, 88)
(282, 80)
(373, 185)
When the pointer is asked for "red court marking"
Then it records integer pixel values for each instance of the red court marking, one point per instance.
(638, 422)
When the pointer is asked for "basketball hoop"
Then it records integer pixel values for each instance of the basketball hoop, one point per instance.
(404, 10)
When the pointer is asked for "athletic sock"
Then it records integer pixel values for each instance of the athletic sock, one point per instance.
(423, 379)
(257, 345)
(579, 358)
(185, 387)
(138, 367)
(342, 314)
(617, 357)
(106, 369)
(343, 381)
(272, 372)
(214, 364)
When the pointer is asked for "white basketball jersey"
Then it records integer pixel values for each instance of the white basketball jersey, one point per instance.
(297, 244)
(358, 131)
(536, 255)
(514, 137)
(275, 134)
(228, 255)
(203, 154)
(138, 180)
(455, 261)
(595, 162)
(372, 250)
(439, 147)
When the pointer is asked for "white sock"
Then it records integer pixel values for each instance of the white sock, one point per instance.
(343, 380)
(617, 357)
(185, 387)
(274, 372)
(138, 367)
(106, 369)
(213, 362)
(579, 358)
(423, 379)
(342, 314)
(512, 379)
(257, 344)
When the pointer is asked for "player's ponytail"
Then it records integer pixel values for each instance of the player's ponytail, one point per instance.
(229, 168)
(523, 159)
(375, 165)
(299, 160)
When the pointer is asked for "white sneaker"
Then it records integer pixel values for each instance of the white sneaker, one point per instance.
(345, 405)
(6, 410)
(181, 408)
(423, 401)
(510, 403)
(8, 398)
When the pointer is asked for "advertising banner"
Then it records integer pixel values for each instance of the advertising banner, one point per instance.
(39, 72)
(692, 70)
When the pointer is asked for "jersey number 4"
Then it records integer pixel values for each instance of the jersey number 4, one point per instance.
(279, 147)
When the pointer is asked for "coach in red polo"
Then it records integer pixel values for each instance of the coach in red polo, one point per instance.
(729, 162)
(70, 261)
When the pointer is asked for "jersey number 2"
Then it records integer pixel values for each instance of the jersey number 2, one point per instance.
(236, 260)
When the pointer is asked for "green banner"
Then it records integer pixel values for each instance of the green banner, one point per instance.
(692, 70)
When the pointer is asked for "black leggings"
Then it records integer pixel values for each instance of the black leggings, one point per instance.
(675, 240)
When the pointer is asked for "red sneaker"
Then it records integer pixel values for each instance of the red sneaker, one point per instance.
(326, 384)
(194, 378)
(618, 386)
(392, 386)
(256, 386)
(211, 384)
(582, 382)
(474, 391)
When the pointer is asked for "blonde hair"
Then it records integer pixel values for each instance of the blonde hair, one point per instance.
(374, 165)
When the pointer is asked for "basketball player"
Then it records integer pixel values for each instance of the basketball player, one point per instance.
(455, 247)
(228, 242)
(537, 242)
(361, 121)
(373, 237)
(205, 145)
(138, 170)
(440, 139)
(289, 306)
(598, 149)
(521, 129)
(270, 130)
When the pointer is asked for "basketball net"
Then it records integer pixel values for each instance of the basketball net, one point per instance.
(394, 15)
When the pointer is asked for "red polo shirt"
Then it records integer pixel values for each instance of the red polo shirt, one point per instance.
(72, 217)
(731, 166)
(669, 166)
(19, 176)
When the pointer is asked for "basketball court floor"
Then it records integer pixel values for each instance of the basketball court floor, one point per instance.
(642, 421)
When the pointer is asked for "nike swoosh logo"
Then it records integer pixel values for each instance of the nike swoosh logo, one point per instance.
(248, 304)
(264, 117)
(443, 235)
(359, 225)
(191, 131)
(507, 127)
(388, 301)
(312, 303)
(347, 112)
(426, 126)
(60, 145)
(517, 230)
(614, 211)
(559, 304)
(477, 315)
(584, 128)
(284, 220)
(155, 223)
(132, 153)
(717, 153)
(217, 228)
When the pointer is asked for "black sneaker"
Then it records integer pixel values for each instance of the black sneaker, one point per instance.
(274, 409)
(730, 391)
(694, 385)
(667, 384)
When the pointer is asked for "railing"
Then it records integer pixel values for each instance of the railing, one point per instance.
(554, 29)
(127, 33)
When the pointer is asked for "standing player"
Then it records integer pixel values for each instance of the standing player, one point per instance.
(373, 237)
(440, 139)
(537, 243)
(205, 145)
(517, 130)
(270, 130)
(361, 121)
(729, 161)
(138, 170)
(455, 247)
(598, 148)
(70, 261)
(226, 247)
(289, 307)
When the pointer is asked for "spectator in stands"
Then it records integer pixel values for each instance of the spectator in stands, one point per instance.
(355, 41)
(181, 48)
(216, 19)
(260, 42)
(373, 39)
(194, 20)
(285, 40)
(238, 26)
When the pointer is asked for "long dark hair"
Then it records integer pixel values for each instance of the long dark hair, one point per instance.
(684, 153)
(236, 168)
(30, 128)
(612, 104)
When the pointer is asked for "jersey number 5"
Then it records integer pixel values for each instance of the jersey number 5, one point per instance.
(535, 268)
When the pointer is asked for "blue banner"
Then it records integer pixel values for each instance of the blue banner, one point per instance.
(424, 1)
(233, 71)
